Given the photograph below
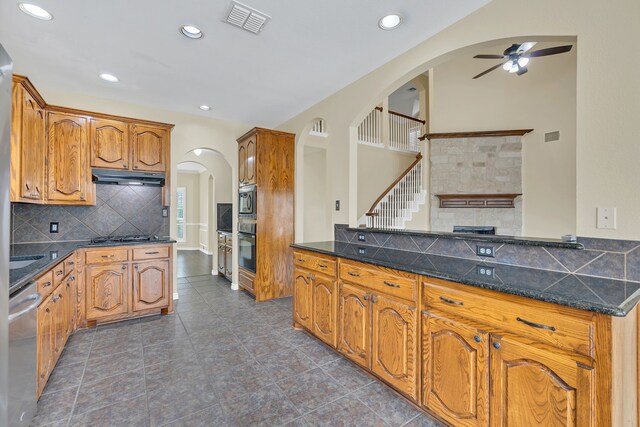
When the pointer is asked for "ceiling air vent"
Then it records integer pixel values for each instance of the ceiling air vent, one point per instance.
(245, 17)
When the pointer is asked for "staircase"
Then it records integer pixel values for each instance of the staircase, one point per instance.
(397, 204)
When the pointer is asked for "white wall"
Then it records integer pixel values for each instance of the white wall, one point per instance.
(544, 99)
(608, 100)
(315, 194)
(191, 182)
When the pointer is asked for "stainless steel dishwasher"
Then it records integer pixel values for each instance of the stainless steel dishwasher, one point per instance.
(23, 309)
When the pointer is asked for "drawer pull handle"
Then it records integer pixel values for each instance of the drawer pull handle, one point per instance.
(450, 301)
(46, 284)
(351, 273)
(536, 325)
(71, 263)
(393, 285)
(300, 260)
(108, 256)
(322, 265)
(59, 273)
(152, 253)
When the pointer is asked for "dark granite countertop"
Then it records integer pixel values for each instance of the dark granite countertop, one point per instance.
(608, 296)
(52, 253)
(492, 238)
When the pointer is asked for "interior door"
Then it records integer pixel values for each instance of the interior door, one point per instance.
(355, 324)
(394, 349)
(455, 371)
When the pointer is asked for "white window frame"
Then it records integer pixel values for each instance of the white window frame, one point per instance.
(181, 221)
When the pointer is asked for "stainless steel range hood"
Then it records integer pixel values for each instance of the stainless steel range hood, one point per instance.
(118, 177)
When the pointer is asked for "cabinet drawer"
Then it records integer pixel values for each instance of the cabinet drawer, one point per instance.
(106, 255)
(45, 284)
(391, 282)
(150, 252)
(58, 274)
(228, 240)
(555, 325)
(221, 238)
(320, 264)
(245, 279)
(69, 264)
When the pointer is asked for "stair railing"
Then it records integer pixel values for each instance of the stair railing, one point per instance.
(370, 130)
(404, 132)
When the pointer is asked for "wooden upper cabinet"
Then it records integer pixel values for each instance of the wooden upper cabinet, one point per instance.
(325, 304)
(69, 174)
(150, 146)
(109, 144)
(535, 387)
(455, 373)
(354, 324)
(107, 290)
(151, 285)
(28, 147)
(242, 162)
(302, 298)
(394, 347)
(251, 161)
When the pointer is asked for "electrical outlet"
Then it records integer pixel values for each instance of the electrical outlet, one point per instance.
(361, 237)
(606, 218)
(486, 271)
(53, 227)
(485, 250)
(362, 251)
(165, 212)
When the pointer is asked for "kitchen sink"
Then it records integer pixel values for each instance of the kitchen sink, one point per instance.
(23, 261)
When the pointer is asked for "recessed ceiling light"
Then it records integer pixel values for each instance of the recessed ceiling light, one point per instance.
(109, 78)
(191, 32)
(205, 108)
(389, 22)
(197, 151)
(35, 11)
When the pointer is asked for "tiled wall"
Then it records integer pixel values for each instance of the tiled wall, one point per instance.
(614, 259)
(119, 210)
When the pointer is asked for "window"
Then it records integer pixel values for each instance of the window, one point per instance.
(181, 216)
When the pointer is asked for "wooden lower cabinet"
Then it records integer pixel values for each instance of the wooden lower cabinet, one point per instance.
(107, 290)
(324, 313)
(355, 324)
(150, 285)
(455, 380)
(302, 294)
(535, 387)
(394, 344)
(46, 358)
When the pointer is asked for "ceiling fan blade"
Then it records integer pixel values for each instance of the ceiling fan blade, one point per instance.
(489, 56)
(526, 46)
(549, 51)
(489, 70)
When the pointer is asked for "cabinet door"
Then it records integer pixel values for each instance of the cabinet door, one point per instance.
(250, 177)
(534, 387)
(394, 349)
(221, 261)
(107, 290)
(109, 144)
(45, 342)
(32, 150)
(149, 148)
(325, 304)
(69, 174)
(354, 324)
(150, 285)
(242, 162)
(228, 261)
(70, 304)
(455, 373)
(302, 298)
(60, 319)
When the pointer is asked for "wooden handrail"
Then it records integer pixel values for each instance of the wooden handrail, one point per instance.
(389, 188)
(476, 134)
(407, 117)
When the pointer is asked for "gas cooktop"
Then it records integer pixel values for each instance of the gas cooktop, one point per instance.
(123, 239)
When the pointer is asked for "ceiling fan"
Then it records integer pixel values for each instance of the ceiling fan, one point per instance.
(517, 57)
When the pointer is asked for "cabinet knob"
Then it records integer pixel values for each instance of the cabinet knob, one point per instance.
(135, 266)
(82, 197)
(135, 167)
(477, 338)
(46, 284)
(374, 300)
(366, 297)
(496, 345)
(124, 267)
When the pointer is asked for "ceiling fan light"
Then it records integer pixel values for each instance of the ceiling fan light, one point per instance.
(523, 61)
(514, 68)
(507, 65)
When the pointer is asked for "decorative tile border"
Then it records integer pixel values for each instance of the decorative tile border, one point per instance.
(605, 258)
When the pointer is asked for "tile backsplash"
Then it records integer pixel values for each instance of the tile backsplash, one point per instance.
(119, 210)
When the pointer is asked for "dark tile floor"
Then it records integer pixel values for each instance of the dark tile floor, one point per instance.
(220, 360)
(193, 263)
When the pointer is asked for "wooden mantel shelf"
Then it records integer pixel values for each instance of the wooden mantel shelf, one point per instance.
(477, 200)
(476, 134)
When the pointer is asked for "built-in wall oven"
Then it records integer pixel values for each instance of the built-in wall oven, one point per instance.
(247, 199)
(247, 245)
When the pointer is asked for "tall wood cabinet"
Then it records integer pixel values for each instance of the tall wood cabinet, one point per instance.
(267, 159)
(54, 148)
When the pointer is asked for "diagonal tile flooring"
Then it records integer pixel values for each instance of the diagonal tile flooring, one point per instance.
(221, 360)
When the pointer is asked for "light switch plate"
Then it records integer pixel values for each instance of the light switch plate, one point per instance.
(606, 218)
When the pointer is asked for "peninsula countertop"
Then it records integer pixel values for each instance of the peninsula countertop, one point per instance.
(595, 294)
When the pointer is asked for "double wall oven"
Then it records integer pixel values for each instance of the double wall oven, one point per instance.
(247, 215)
